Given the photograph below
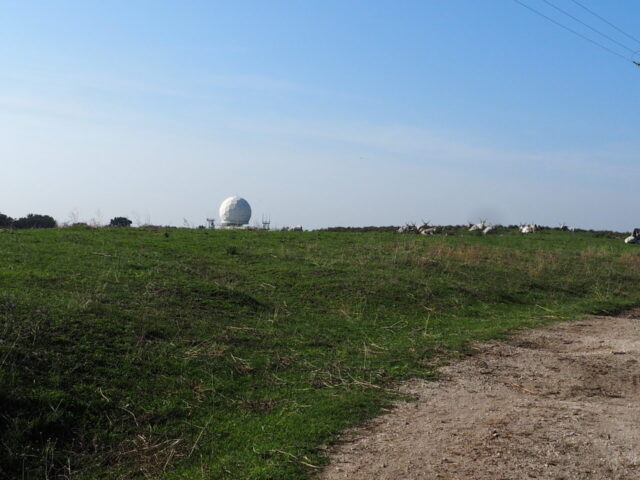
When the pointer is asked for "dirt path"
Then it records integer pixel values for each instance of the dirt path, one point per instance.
(561, 402)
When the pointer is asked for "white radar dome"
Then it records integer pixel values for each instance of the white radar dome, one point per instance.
(235, 211)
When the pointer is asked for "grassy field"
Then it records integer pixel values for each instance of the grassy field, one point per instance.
(189, 354)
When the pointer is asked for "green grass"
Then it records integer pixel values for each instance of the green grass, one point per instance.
(188, 354)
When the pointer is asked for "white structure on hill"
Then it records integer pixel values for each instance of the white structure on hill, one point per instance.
(235, 212)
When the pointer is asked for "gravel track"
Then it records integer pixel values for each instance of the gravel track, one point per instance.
(561, 402)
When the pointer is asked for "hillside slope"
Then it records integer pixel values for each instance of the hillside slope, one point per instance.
(166, 353)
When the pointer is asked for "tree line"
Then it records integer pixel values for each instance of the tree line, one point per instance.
(34, 220)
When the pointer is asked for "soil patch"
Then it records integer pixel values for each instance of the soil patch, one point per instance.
(562, 402)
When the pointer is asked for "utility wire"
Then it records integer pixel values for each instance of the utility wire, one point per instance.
(589, 26)
(573, 31)
(606, 21)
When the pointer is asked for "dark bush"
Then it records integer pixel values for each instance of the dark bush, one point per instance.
(5, 221)
(35, 221)
(359, 229)
(120, 222)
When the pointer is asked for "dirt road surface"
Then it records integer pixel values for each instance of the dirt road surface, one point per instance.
(562, 402)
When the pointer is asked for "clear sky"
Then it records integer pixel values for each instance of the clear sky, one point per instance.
(319, 113)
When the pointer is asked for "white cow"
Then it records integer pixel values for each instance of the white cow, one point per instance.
(478, 226)
(427, 229)
(634, 237)
(424, 226)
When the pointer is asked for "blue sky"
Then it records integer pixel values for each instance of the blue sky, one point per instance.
(319, 113)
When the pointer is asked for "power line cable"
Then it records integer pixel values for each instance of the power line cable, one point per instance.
(589, 26)
(573, 31)
(606, 21)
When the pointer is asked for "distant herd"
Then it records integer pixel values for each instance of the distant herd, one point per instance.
(426, 229)
(481, 226)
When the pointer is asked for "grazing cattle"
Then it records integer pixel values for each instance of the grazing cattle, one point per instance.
(478, 226)
(490, 229)
(424, 229)
(531, 228)
(424, 226)
(427, 229)
(408, 228)
(634, 238)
